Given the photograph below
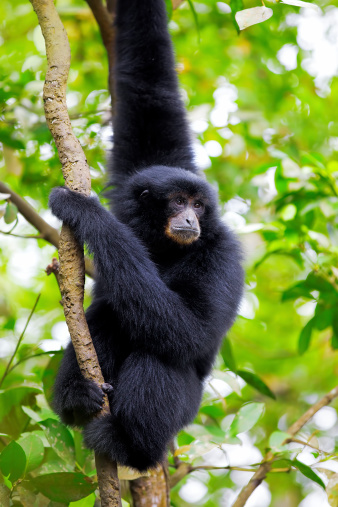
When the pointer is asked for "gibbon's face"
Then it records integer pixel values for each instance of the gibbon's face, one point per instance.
(163, 203)
(183, 225)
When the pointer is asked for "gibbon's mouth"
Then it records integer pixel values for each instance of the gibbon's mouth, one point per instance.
(184, 235)
(189, 230)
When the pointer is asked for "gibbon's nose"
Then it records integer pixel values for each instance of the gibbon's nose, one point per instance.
(190, 219)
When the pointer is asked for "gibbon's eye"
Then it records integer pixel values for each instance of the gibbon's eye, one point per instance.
(179, 201)
(145, 193)
(198, 205)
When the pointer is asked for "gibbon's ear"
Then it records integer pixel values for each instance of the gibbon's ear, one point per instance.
(144, 194)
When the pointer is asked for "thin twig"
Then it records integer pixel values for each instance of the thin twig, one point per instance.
(25, 236)
(323, 402)
(54, 267)
(185, 468)
(306, 444)
(11, 229)
(49, 233)
(23, 359)
(172, 448)
(8, 367)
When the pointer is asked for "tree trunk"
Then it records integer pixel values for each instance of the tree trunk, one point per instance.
(152, 491)
(77, 177)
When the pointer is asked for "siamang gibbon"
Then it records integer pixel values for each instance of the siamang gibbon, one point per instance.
(168, 270)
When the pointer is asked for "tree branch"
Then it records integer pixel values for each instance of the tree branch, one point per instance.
(77, 177)
(185, 468)
(105, 17)
(265, 467)
(47, 232)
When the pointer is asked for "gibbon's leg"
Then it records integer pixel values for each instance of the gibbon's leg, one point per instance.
(151, 403)
(76, 399)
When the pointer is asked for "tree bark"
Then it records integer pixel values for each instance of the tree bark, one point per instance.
(151, 491)
(77, 177)
(105, 19)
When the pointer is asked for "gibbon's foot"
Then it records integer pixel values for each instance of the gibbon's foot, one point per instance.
(107, 388)
(80, 402)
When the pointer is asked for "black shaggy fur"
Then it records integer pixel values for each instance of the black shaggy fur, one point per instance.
(160, 310)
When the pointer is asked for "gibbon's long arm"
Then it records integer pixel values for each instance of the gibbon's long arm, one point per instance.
(153, 315)
(150, 125)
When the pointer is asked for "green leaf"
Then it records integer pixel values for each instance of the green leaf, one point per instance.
(305, 337)
(246, 418)
(227, 355)
(6, 138)
(217, 433)
(323, 317)
(34, 450)
(308, 472)
(313, 159)
(256, 382)
(13, 461)
(10, 213)
(64, 487)
(276, 441)
(81, 452)
(12, 418)
(49, 375)
(288, 212)
(53, 464)
(89, 501)
(60, 439)
(334, 342)
(335, 322)
(300, 289)
(31, 413)
(7, 483)
(215, 410)
(317, 282)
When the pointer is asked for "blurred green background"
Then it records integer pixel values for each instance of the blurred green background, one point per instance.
(263, 110)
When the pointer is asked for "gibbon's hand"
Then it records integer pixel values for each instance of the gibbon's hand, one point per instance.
(70, 206)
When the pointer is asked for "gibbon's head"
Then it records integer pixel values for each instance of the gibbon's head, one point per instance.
(167, 205)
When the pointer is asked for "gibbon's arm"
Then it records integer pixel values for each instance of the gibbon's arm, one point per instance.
(153, 315)
(150, 126)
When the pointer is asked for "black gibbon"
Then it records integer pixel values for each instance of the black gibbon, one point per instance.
(168, 271)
